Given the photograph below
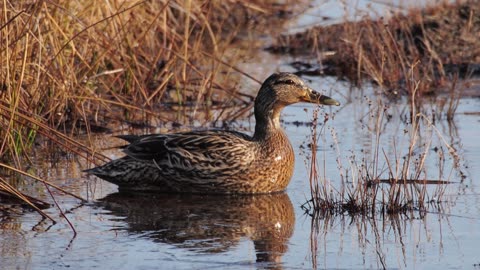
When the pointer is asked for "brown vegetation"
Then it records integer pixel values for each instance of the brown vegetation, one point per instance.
(68, 63)
(414, 54)
(428, 46)
(68, 67)
(378, 183)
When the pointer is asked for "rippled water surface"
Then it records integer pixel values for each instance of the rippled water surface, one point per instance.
(162, 231)
(117, 231)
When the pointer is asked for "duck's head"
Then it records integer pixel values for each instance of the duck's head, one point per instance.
(282, 89)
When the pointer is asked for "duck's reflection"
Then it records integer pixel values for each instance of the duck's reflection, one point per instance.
(209, 223)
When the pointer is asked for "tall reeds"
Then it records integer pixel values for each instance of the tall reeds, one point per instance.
(67, 64)
(69, 67)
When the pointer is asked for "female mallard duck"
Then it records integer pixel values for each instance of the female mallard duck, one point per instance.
(217, 161)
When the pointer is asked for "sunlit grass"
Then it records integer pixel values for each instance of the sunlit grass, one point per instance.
(386, 179)
(69, 67)
(432, 46)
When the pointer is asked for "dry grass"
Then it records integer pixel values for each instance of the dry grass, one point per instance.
(414, 55)
(69, 67)
(67, 64)
(380, 183)
(437, 43)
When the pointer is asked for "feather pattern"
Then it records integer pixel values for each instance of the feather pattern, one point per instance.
(217, 161)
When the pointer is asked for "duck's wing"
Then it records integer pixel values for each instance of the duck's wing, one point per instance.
(194, 150)
(129, 138)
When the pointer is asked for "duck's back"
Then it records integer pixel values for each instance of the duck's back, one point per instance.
(201, 162)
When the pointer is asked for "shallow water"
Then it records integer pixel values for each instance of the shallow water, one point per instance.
(190, 231)
(160, 231)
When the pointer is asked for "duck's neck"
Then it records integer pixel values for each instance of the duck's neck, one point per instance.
(267, 124)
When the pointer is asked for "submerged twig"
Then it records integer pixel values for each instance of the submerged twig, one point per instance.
(14, 192)
(41, 180)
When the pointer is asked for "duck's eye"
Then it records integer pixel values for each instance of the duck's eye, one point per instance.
(291, 82)
(286, 81)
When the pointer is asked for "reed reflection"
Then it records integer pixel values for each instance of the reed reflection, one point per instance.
(384, 241)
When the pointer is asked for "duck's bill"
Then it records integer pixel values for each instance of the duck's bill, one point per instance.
(316, 97)
(328, 101)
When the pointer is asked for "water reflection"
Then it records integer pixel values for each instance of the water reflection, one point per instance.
(384, 241)
(209, 224)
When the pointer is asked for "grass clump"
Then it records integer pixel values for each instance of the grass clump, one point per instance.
(67, 64)
(439, 41)
(386, 179)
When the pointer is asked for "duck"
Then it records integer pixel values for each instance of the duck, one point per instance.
(217, 161)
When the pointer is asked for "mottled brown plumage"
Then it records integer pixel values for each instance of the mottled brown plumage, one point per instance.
(217, 161)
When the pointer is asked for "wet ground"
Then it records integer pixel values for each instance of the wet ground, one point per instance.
(160, 231)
